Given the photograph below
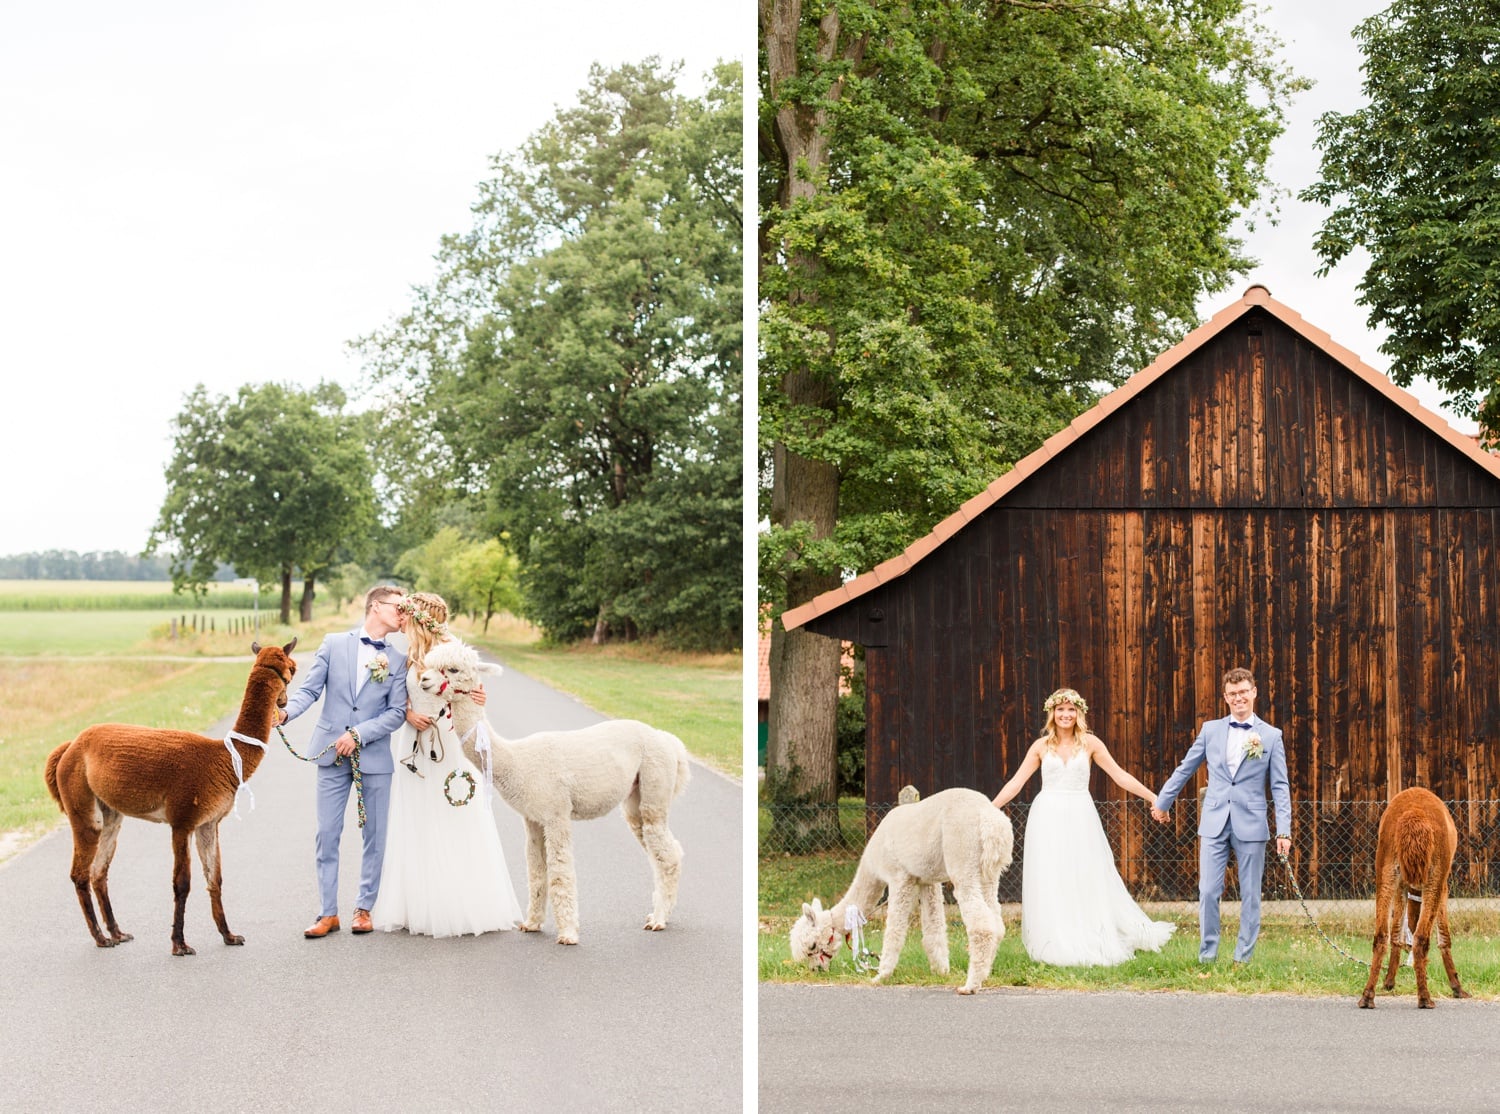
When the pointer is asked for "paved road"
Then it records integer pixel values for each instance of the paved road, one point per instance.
(628, 1020)
(919, 1048)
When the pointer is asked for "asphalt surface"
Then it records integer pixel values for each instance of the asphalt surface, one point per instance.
(920, 1048)
(626, 1021)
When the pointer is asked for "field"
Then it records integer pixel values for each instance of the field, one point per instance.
(121, 664)
(117, 595)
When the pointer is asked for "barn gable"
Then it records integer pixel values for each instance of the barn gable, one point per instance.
(1257, 496)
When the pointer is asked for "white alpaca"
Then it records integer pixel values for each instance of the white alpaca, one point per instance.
(555, 777)
(954, 836)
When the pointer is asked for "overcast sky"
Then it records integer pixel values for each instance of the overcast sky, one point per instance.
(228, 194)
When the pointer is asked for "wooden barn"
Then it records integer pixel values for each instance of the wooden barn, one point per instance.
(1258, 496)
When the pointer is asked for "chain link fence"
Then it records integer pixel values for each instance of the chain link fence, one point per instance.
(1333, 846)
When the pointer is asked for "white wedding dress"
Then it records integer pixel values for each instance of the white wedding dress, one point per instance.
(1075, 910)
(444, 872)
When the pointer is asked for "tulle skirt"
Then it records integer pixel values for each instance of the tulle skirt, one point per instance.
(444, 872)
(1075, 910)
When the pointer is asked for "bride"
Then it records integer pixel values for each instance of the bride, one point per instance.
(1075, 910)
(444, 872)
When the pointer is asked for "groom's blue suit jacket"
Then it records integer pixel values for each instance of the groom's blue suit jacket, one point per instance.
(1239, 801)
(373, 708)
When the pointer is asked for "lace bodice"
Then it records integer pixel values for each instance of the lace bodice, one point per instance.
(1071, 776)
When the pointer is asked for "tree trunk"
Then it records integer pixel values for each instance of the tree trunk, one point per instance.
(286, 595)
(804, 667)
(307, 599)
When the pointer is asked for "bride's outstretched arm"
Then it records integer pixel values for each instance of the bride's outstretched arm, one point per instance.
(1029, 766)
(1106, 762)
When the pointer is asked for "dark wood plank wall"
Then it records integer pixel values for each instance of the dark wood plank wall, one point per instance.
(1259, 506)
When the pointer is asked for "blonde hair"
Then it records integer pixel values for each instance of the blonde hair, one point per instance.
(427, 625)
(1080, 729)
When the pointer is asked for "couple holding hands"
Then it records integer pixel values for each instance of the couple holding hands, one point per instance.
(427, 866)
(1075, 910)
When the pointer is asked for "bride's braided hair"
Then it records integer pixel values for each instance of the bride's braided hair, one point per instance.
(428, 616)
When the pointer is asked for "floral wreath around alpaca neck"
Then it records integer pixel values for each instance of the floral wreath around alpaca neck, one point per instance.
(421, 616)
(1066, 696)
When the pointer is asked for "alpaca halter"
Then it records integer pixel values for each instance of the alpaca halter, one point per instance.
(239, 768)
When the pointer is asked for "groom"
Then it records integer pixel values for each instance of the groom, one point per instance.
(364, 685)
(1244, 754)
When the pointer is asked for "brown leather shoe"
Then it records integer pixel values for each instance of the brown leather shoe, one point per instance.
(321, 927)
(361, 923)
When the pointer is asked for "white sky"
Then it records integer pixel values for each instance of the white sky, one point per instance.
(229, 193)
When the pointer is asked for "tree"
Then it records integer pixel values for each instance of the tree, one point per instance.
(1410, 178)
(276, 481)
(578, 360)
(973, 216)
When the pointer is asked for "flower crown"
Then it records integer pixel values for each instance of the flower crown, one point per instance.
(1066, 696)
(420, 615)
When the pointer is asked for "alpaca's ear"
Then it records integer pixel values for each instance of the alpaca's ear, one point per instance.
(255, 647)
(489, 667)
(289, 647)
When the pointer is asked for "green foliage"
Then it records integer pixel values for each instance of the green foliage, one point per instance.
(578, 364)
(1020, 205)
(273, 481)
(478, 578)
(1410, 179)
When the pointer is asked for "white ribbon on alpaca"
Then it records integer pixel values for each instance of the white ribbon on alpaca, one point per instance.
(239, 768)
(854, 920)
(482, 748)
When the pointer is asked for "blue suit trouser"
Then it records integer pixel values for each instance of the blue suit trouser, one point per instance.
(1213, 861)
(334, 784)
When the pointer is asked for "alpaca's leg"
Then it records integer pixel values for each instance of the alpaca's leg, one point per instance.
(630, 808)
(1404, 914)
(934, 927)
(666, 864)
(991, 886)
(85, 846)
(181, 881)
(983, 927)
(1447, 944)
(536, 878)
(562, 883)
(109, 837)
(213, 877)
(1423, 942)
(1385, 894)
(898, 913)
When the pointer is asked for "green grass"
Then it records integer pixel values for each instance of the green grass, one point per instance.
(110, 633)
(1290, 956)
(696, 697)
(118, 595)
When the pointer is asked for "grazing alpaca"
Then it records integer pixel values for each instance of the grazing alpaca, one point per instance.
(189, 781)
(555, 777)
(954, 836)
(1415, 852)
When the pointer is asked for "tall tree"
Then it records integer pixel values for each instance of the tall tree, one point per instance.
(578, 360)
(275, 482)
(1410, 178)
(974, 215)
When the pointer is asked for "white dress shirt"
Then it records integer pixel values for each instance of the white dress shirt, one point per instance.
(1238, 737)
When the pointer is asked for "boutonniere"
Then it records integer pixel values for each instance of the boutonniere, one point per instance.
(380, 668)
(1254, 748)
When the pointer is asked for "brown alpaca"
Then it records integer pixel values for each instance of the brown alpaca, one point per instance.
(1415, 852)
(114, 770)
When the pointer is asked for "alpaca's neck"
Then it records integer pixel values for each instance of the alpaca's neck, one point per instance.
(864, 892)
(257, 717)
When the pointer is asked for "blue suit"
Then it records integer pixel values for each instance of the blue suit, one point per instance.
(374, 709)
(1233, 817)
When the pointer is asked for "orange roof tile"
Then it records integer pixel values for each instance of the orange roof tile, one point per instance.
(1255, 296)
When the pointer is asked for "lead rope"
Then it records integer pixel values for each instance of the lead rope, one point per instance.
(1326, 939)
(359, 783)
(864, 959)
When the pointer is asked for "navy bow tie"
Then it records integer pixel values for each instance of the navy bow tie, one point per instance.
(1232, 723)
(377, 643)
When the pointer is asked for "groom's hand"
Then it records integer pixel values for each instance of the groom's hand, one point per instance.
(1283, 845)
(345, 744)
(1158, 815)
